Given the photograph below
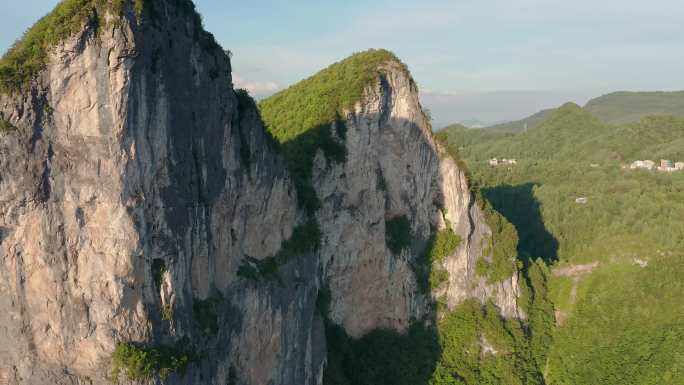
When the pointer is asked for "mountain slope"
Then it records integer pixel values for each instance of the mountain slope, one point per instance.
(373, 291)
(613, 278)
(625, 107)
(523, 124)
(614, 108)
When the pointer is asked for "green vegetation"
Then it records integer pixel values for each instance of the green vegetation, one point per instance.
(302, 118)
(255, 269)
(323, 301)
(398, 234)
(626, 107)
(205, 313)
(481, 348)
(28, 56)
(138, 362)
(554, 167)
(429, 272)
(305, 238)
(617, 320)
(382, 357)
(627, 328)
(6, 126)
(470, 346)
(501, 247)
(536, 302)
(166, 312)
(521, 125)
(442, 138)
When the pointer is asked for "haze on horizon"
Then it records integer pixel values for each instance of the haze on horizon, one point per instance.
(488, 60)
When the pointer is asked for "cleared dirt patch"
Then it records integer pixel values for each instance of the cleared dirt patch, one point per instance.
(576, 273)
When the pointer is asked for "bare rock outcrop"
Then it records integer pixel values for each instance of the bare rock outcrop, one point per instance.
(134, 159)
(394, 168)
(140, 194)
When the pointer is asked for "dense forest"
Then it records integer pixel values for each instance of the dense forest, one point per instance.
(616, 256)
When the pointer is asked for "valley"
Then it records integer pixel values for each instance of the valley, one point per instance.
(160, 225)
(614, 259)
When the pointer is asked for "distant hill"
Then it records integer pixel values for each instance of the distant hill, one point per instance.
(614, 108)
(523, 124)
(625, 107)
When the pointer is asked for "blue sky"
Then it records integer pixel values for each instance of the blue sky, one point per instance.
(473, 59)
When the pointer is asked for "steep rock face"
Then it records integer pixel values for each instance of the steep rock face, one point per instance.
(394, 168)
(136, 185)
(388, 173)
(467, 220)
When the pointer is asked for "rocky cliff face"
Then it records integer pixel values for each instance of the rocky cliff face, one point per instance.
(394, 168)
(468, 220)
(133, 160)
(137, 185)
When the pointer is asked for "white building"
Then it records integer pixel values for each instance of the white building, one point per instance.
(679, 166)
(582, 200)
(647, 164)
(497, 162)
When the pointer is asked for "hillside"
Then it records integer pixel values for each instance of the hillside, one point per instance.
(385, 147)
(614, 254)
(615, 108)
(626, 107)
(522, 124)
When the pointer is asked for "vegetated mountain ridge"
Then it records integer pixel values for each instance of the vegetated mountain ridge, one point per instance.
(614, 108)
(151, 230)
(627, 107)
(383, 249)
(616, 256)
(522, 124)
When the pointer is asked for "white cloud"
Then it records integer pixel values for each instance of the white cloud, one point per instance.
(255, 88)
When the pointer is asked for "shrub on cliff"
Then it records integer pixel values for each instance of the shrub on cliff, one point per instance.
(398, 234)
(429, 271)
(138, 362)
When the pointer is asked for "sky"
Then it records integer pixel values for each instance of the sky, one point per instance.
(484, 60)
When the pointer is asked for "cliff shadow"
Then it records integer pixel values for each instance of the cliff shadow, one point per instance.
(519, 206)
(383, 356)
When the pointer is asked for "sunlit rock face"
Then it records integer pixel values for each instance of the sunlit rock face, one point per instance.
(138, 183)
(394, 168)
(133, 154)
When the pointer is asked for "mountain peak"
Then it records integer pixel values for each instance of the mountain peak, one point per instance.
(569, 106)
(321, 98)
(30, 54)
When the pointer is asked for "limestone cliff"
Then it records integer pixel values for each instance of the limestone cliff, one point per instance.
(142, 201)
(134, 186)
(395, 168)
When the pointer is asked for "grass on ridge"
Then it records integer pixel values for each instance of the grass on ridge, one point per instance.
(303, 117)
